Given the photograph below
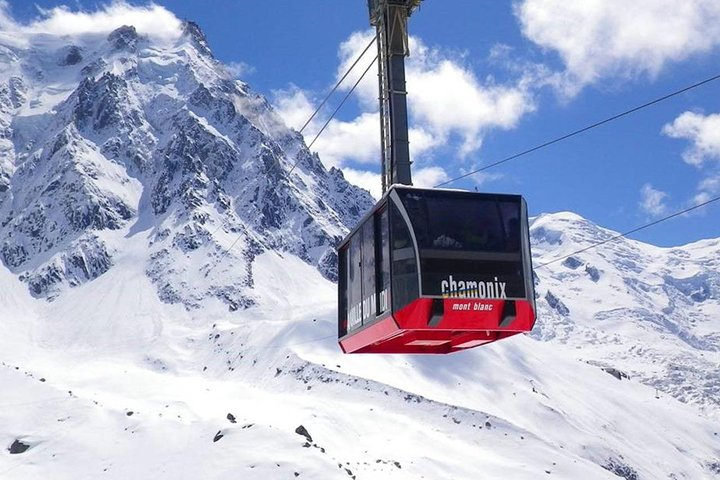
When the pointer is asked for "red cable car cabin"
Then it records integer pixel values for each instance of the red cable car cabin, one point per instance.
(435, 271)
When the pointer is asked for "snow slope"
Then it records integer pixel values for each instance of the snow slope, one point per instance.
(518, 409)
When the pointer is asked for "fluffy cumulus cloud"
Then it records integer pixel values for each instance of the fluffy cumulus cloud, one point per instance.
(294, 105)
(446, 97)
(652, 201)
(708, 188)
(355, 141)
(369, 180)
(429, 176)
(597, 39)
(449, 107)
(703, 133)
(152, 20)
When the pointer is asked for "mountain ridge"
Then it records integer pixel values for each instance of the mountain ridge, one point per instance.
(165, 129)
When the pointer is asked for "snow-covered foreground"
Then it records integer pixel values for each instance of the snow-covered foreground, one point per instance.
(108, 382)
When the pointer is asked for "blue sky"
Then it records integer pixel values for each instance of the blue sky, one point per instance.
(487, 79)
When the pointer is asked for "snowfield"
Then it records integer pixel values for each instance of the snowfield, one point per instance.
(107, 381)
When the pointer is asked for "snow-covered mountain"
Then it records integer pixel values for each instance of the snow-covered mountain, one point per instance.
(132, 346)
(653, 313)
(104, 133)
(109, 381)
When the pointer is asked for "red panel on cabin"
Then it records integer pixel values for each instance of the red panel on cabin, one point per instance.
(465, 323)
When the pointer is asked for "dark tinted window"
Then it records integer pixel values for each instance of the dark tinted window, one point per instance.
(445, 220)
(342, 291)
(404, 263)
(354, 282)
(382, 256)
(469, 243)
(369, 307)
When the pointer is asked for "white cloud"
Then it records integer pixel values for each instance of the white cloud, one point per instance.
(708, 188)
(294, 106)
(240, 69)
(353, 141)
(421, 142)
(482, 178)
(348, 52)
(152, 20)
(711, 185)
(429, 176)
(445, 97)
(370, 181)
(449, 99)
(703, 132)
(596, 39)
(449, 108)
(652, 201)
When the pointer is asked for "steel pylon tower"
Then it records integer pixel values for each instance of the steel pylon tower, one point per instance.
(390, 19)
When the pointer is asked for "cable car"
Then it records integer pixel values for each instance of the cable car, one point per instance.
(428, 270)
(435, 271)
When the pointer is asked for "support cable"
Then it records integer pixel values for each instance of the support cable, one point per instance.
(637, 229)
(341, 104)
(295, 164)
(582, 130)
(337, 85)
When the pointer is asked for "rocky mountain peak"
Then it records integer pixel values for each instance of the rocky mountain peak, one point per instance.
(192, 31)
(124, 38)
(153, 142)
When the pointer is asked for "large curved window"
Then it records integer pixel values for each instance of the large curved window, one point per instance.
(470, 243)
(404, 262)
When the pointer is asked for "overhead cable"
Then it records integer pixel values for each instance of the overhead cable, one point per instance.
(582, 130)
(339, 82)
(629, 232)
(297, 161)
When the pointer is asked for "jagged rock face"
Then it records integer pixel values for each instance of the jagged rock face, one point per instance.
(160, 141)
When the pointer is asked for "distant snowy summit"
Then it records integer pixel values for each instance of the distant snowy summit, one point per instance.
(122, 145)
(648, 312)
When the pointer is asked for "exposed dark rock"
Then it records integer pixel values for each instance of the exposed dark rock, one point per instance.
(231, 417)
(328, 265)
(571, 263)
(621, 469)
(72, 55)
(130, 413)
(616, 373)
(218, 436)
(124, 38)
(301, 430)
(593, 273)
(193, 30)
(557, 304)
(18, 447)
